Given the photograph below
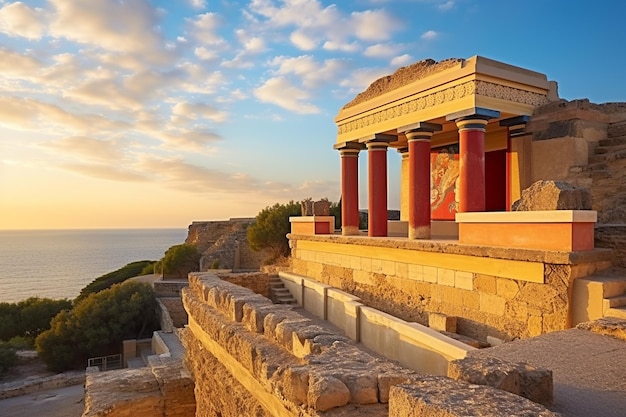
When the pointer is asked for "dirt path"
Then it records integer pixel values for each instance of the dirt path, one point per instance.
(60, 402)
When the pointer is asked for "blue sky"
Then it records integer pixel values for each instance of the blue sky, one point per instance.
(145, 113)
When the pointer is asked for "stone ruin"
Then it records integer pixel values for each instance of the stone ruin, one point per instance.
(553, 195)
(315, 208)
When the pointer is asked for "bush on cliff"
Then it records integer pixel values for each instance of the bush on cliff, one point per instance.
(269, 231)
(30, 317)
(97, 325)
(179, 260)
(130, 270)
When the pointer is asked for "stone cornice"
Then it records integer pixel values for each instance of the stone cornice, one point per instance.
(439, 98)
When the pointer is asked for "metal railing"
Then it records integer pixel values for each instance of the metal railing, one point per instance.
(106, 363)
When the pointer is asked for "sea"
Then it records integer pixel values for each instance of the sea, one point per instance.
(59, 263)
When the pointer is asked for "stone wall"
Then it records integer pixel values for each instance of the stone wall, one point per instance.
(257, 282)
(497, 292)
(250, 357)
(223, 244)
(172, 313)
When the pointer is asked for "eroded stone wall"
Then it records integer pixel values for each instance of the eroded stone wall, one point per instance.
(484, 304)
(250, 357)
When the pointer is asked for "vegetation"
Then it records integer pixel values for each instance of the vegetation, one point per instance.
(28, 318)
(179, 260)
(8, 357)
(271, 227)
(130, 270)
(97, 325)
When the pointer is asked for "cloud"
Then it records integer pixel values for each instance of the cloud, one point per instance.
(315, 25)
(87, 147)
(429, 35)
(20, 20)
(29, 114)
(205, 54)
(16, 64)
(204, 28)
(303, 41)
(448, 5)
(106, 172)
(198, 111)
(128, 27)
(312, 73)
(361, 78)
(197, 4)
(343, 47)
(401, 60)
(383, 50)
(373, 25)
(281, 92)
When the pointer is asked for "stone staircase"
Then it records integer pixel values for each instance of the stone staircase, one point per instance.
(278, 293)
(600, 295)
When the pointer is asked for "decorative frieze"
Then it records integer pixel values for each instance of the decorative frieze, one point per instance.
(477, 87)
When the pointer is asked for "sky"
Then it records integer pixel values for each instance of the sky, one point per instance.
(146, 113)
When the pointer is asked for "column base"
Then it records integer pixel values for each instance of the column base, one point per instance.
(419, 232)
(349, 230)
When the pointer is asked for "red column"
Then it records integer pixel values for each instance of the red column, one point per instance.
(377, 188)
(419, 184)
(471, 191)
(349, 191)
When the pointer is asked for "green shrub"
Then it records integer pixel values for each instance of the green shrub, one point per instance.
(130, 270)
(29, 317)
(8, 358)
(179, 260)
(269, 231)
(97, 325)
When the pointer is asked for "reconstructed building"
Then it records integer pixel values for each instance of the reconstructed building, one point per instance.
(473, 134)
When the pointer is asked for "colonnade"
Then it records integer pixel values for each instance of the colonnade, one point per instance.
(471, 192)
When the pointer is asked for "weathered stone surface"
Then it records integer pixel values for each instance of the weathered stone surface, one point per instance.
(326, 392)
(403, 76)
(442, 322)
(517, 378)
(608, 326)
(612, 236)
(553, 195)
(442, 397)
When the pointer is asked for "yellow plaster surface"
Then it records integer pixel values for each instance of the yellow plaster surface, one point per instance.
(544, 216)
(524, 271)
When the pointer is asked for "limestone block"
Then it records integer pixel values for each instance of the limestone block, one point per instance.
(485, 284)
(442, 322)
(609, 326)
(464, 280)
(296, 384)
(492, 304)
(536, 384)
(445, 277)
(327, 392)
(363, 387)
(386, 381)
(517, 378)
(553, 195)
(444, 397)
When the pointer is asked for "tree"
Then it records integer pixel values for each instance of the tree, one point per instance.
(30, 317)
(97, 325)
(179, 260)
(269, 231)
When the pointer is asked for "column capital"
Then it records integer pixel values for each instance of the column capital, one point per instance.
(516, 125)
(380, 138)
(354, 146)
(420, 127)
(471, 124)
(473, 113)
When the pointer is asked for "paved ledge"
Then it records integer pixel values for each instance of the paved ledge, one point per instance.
(442, 397)
(588, 373)
(30, 385)
(450, 246)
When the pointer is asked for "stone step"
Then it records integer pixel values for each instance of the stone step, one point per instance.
(286, 300)
(607, 285)
(617, 301)
(281, 291)
(617, 312)
(616, 129)
(608, 157)
(607, 149)
(613, 141)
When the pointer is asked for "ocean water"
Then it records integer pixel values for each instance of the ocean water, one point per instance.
(59, 263)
